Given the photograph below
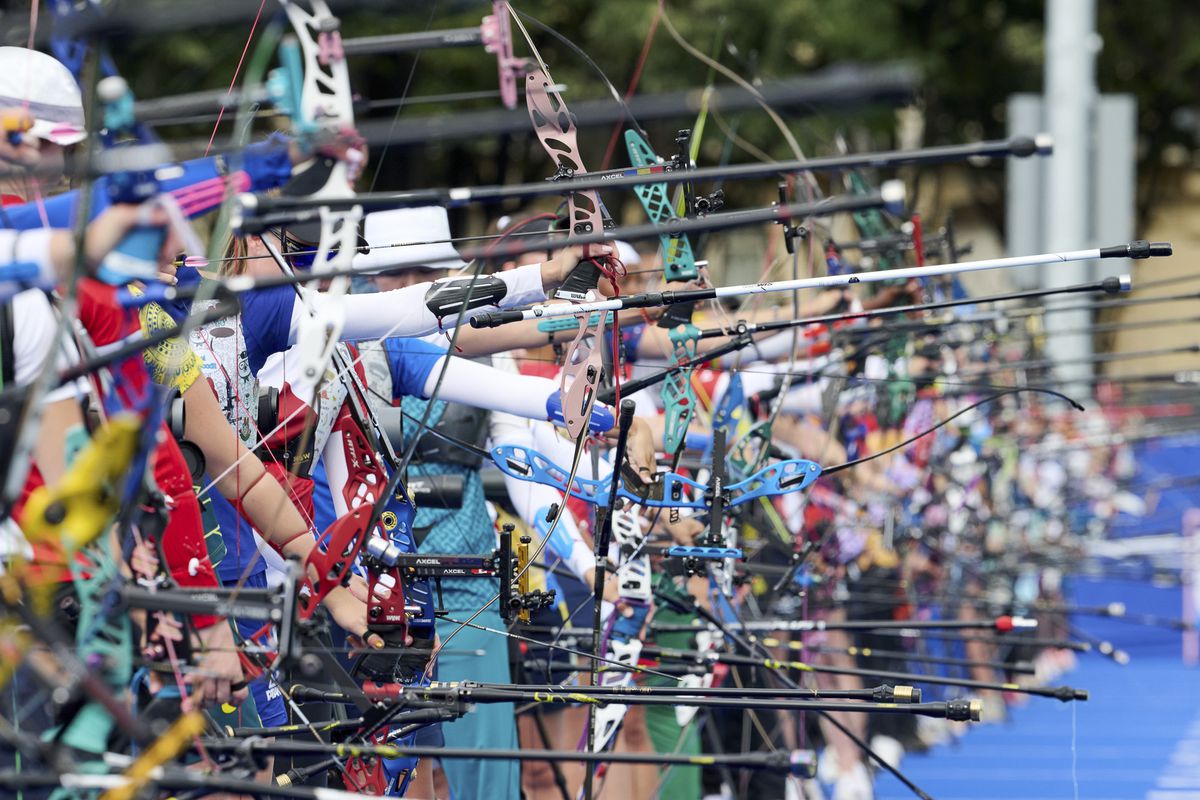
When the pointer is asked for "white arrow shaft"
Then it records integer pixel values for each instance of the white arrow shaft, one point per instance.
(906, 273)
(830, 281)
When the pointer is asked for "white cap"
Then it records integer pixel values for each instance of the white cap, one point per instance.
(40, 84)
(422, 231)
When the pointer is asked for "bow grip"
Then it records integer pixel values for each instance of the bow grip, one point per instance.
(450, 297)
(405, 668)
(582, 280)
(600, 421)
(675, 315)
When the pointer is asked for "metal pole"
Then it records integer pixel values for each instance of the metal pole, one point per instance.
(1070, 96)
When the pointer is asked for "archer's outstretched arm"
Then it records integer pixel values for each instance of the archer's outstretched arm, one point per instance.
(257, 496)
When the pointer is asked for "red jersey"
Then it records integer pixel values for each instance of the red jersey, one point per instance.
(186, 553)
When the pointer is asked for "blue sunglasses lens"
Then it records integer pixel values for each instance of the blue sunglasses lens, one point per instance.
(298, 255)
(301, 260)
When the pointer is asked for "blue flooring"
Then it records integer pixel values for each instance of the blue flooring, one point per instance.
(1167, 477)
(1137, 737)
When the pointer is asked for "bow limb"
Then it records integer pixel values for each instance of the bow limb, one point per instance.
(554, 125)
(678, 394)
(85, 505)
(29, 412)
(314, 83)
(555, 128)
(76, 513)
(810, 183)
(496, 32)
(312, 86)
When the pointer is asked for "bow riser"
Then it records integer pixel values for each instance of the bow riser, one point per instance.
(581, 376)
(332, 565)
(670, 489)
(358, 469)
(678, 262)
(323, 102)
(678, 394)
(554, 125)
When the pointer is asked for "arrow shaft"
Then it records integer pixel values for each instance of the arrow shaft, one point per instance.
(800, 284)
(629, 178)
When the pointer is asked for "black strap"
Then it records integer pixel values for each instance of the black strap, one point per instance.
(8, 360)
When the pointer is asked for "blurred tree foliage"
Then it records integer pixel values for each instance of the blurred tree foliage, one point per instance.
(973, 54)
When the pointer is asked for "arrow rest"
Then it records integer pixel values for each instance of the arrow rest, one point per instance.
(791, 231)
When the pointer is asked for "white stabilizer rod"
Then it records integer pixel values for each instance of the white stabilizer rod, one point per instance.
(1139, 249)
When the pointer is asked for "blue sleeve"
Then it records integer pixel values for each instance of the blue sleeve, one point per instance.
(266, 320)
(240, 548)
(324, 514)
(60, 210)
(411, 361)
(631, 337)
(186, 277)
(267, 163)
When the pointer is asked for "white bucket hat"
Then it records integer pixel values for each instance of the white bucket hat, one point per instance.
(415, 238)
(38, 83)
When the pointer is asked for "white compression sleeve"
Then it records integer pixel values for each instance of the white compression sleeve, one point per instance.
(485, 386)
(35, 324)
(805, 397)
(532, 500)
(402, 312)
(31, 246)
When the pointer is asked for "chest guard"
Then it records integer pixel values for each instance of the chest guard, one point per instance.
(464, 423)
(287, 445)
